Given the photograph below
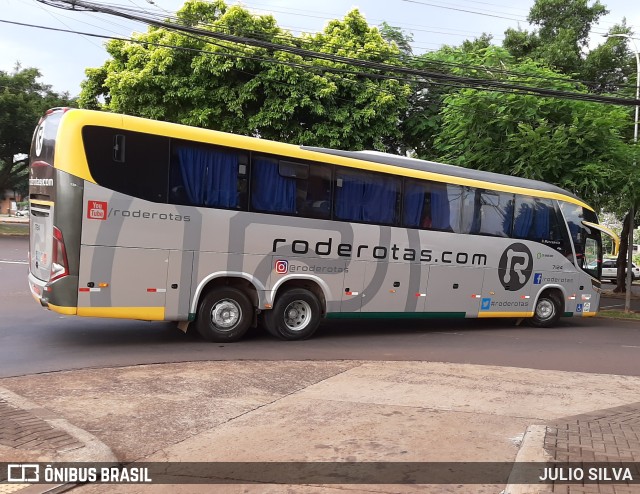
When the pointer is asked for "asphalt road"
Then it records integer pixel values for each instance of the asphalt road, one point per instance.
(33, 340)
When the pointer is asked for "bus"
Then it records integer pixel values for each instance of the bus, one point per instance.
(142, 219)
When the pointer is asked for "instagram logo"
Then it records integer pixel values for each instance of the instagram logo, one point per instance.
(282, 267)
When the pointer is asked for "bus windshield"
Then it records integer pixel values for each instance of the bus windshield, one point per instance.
(587, 241)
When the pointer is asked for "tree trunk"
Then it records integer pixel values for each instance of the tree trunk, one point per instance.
(621, 280)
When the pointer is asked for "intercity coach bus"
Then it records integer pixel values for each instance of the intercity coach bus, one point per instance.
(134, 218)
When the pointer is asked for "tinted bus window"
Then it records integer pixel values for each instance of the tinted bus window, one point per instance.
(416, 208)
(272, 192)
(495, 213)
(128, 162)
(540, 220)
(290, 187)
(447, 213)
(431, 205)
(366, 197)
(208, 176)
(313, 193)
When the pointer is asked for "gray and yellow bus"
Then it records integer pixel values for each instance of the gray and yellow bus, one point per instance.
(134, 218)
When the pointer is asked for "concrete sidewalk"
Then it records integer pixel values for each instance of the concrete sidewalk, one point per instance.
(5, 218)
(345, 411)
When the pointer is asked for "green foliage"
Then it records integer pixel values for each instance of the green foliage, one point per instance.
(23, 100)
(562, 35)
(238, 88)
(402, 39)
(576, 145)
(423, 120)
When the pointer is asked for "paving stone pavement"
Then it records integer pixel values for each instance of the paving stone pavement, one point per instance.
(21, 429)
(610, 435)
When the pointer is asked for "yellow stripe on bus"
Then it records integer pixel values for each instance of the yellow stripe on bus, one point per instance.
(505, 314)
(39, 202)
(142, 313)
(67, 311)
(71, 157)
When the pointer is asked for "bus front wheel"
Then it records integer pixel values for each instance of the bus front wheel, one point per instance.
(547, 311)
(295, 315)
(224, 315)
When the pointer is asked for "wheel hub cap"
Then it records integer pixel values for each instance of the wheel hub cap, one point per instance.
(297, 315)
(225, 314)
(545, 309)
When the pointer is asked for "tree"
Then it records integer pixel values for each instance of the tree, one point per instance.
(402, 39)
(423, 120)
(23, 100)
(254, 91)
(577, 145)
(561, 42)
(562, 36)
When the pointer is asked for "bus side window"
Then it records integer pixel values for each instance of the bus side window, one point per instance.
(273, 189)
(431, 205)
(366, 197)
(314, 193)
(416, 208)
(207, 176)
(142, 158)
(539, 220)
(495, 213)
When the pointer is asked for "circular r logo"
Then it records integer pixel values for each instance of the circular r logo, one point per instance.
(514, 269)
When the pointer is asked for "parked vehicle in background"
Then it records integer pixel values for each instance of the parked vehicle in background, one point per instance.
(610, 270)
(22, 212)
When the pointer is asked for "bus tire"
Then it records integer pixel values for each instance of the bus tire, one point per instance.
(295, 315)
(224, 315)
(547, 311)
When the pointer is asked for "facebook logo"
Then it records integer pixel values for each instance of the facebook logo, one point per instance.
(486, 304)
(537, 278)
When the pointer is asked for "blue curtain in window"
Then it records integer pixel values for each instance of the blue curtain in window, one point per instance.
(541, 221)
(379, 200)
(349, 198)
(210, 178)
(440, 210)
(222, 181)
(523, 221)
(366, 198)
(271, 191)
(413, 205)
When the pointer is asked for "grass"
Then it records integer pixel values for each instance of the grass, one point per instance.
(619, 314)
(14, 229)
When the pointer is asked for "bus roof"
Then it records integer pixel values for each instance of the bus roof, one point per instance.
(444, 169)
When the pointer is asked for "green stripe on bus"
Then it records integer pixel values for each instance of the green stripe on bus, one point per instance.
(192, 316)
(396, 315)
(567, 314)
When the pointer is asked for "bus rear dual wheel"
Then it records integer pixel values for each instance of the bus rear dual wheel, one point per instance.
(295, 315)
(224, 315)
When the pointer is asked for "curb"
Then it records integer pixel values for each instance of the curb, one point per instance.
(93, 450)
(531, 451)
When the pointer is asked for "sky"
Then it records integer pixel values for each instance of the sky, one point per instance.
(63, 57)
